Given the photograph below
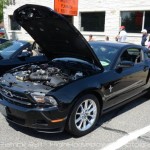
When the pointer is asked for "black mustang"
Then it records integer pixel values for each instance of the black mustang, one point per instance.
(80, 83)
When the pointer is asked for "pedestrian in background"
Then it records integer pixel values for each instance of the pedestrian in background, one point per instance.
(148, 43)
(144, 37)
(106, 38)
(122, 36)
(91, 37)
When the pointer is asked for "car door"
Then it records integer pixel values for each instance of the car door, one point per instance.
(127, 82)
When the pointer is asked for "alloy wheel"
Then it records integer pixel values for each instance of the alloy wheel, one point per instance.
(86, 115)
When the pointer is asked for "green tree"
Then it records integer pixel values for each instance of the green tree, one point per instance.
(3, 4)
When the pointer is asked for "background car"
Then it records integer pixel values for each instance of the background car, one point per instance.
(2, 40)
(15, 53)
(3, 37)
(2, 32)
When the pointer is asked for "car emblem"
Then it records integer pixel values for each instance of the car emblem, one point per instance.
(110, 88)
(7, 93)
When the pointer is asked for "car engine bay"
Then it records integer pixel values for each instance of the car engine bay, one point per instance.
(53, 74)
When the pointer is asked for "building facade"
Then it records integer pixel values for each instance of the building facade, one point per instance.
(98, 17)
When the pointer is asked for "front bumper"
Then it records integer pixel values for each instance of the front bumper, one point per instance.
(41, 119)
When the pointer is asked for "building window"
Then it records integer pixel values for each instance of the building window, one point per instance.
(93, 21)
(135, 21)
(147, 20)
(13, 24)
(11, 2)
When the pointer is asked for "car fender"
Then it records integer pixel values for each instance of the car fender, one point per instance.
(76, 88)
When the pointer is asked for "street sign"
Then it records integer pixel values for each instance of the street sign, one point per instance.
(66, 7)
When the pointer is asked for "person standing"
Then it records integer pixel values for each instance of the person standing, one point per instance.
(90, 38)
(148, 43)
(106, 38)
(144, 37)
(122, 36)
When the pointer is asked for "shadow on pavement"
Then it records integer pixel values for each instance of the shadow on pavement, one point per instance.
(64, 136)
(45, 136)
(114, 113)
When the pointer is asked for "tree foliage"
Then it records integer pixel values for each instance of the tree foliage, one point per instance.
(3, 4)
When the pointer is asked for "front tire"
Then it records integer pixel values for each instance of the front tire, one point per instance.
(84, 115)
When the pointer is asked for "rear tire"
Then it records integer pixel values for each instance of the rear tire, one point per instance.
(84, 115)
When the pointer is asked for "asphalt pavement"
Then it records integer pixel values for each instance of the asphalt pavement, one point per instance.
(111, 127)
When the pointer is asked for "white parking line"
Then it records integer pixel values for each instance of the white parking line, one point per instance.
(127, 138)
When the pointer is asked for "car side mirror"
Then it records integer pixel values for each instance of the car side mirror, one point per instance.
(23, 55)
(125, 64)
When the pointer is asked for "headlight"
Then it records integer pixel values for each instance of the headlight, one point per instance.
(51, 100)
(42, 99)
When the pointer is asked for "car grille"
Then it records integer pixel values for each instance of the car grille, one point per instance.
(15, 97)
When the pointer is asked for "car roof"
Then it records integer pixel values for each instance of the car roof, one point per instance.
(20, 41)
(113, 44)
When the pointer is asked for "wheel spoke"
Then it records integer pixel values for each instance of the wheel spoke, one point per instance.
(86, 104)
(79, 119)
(89, 121)
(92, 116)
(84, 124)
(92, 109)
(82, 109)
(90, 106)
(80, 124)
(79, 113)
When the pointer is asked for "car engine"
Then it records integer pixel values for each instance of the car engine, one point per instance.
(53, 74)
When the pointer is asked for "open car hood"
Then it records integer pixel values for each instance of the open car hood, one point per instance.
(54, 34)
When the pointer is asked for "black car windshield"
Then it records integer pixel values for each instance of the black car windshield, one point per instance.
(105, 53)
(8, 48)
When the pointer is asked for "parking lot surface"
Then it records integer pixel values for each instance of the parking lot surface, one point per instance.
(127, 128)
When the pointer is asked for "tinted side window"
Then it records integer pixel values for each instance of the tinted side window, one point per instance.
(132, 54)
